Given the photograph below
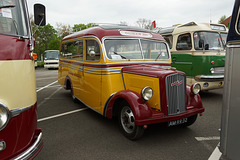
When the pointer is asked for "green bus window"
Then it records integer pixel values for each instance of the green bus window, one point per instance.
(184, 42)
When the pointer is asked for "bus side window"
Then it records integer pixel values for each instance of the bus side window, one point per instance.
(169, 40)
(93, 50)
(184, 42)
(72, 50)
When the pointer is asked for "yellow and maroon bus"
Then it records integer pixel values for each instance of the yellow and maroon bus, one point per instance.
(125, 72)
(19, 136)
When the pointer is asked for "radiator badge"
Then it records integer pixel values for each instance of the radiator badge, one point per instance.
(177, 83)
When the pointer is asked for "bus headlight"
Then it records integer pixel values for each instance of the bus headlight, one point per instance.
(4, 116)
(147, 93)
(195, 88)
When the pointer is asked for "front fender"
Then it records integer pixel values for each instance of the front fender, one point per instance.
(139, 106)
(192, 99)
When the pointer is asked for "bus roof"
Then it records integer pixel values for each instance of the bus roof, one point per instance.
(192, 26)
(115, 31)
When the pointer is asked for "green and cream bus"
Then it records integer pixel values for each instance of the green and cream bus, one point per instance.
(198, 49)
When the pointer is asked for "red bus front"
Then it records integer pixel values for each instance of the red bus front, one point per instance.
(19, 136)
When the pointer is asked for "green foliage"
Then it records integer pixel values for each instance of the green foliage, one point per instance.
(79, 27)
(48, 38)
(54, 43)
(222, 19)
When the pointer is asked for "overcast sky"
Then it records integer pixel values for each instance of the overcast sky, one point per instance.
(164, 12)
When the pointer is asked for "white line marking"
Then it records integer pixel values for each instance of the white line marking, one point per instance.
(45, 99)
(60, 115)
(216, 154)
(207, 138)
(47, 86)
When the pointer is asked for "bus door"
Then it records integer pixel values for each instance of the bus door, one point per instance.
(182, 59)
(230, 131)
(92, 77)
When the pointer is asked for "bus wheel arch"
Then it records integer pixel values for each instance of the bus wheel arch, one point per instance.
(68, 86)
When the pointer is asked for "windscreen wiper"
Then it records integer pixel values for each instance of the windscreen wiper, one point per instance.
(120, 55)
(8, 6)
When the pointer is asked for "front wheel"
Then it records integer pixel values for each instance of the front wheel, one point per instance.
(190, 121)
(126, 123)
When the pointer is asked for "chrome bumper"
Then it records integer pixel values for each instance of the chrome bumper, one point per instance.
(33, 150)
(209, 78)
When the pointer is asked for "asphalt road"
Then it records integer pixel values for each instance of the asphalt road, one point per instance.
(73, 132)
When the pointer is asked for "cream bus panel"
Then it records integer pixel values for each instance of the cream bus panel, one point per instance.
(17, 76)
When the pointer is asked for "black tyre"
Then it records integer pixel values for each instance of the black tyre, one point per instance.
(190, 121)
(126, 123)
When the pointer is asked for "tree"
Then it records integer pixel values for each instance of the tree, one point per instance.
(63, 30)
(144, 23)
(54, 43)
(222, 19)
(79, 27)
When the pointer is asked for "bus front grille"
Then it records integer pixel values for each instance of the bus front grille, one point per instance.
(176, 93)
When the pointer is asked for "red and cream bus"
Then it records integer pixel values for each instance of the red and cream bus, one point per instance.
(19, 136)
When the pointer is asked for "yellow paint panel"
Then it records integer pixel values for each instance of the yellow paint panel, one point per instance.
(138, 82)
(17, 83)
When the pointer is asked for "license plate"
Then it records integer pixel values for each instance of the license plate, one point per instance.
(177, 122)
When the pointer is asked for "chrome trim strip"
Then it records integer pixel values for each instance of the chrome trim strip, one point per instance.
(31, 150)
(209, 77)
(182, 63)
(106, 104)
(87, 105)
(17, 111)
(233, 46)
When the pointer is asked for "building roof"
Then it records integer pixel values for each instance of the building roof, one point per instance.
(226, 21)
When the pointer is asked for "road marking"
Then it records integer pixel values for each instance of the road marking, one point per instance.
(45, 99)
(207, 138)
(46, 86)
(62, 114)
(216, 155)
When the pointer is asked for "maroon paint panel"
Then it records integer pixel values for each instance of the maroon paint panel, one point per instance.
(12, 48)
(139, 106)
(150, 70)
(101, 33)
(20, 133)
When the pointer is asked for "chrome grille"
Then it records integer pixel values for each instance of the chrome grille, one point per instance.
(176, 93)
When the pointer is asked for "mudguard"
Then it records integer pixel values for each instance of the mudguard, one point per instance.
(139, 106)
(192, 99)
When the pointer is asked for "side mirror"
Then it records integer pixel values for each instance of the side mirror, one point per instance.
(91, 53)
(39, 15)
(206, 47)
(201, 43)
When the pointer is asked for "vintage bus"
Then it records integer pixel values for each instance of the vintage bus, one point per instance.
(125, 72)
(198, 50)
(19, 136)
(51, 59)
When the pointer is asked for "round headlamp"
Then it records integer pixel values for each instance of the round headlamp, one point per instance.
(196, 88)
(4, 116)
(147, 93)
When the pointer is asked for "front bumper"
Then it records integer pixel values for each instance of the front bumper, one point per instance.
(160, 117)
(209, 78)
(33, 150)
